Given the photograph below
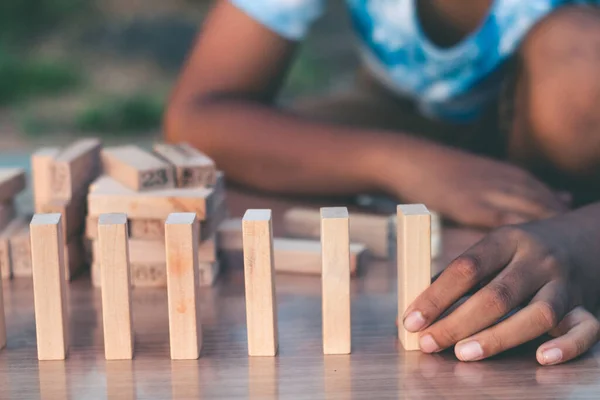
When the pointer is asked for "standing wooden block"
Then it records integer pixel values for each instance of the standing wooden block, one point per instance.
(137, 169)
(414, 262)
(259, 275)
(75, 167)
(49, 293)
(116, 286)
(193, 168)
(181, 243)
(335, 244)
(12, 182)
(42, 167)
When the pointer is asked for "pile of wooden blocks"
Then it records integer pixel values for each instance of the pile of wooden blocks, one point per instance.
(12, 182)
(147, 187)
(61, 178)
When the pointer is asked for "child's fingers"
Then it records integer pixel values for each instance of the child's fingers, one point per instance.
(579, 331)
(542, 314)
(480, 262)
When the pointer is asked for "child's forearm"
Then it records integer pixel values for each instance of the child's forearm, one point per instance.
(279, 152)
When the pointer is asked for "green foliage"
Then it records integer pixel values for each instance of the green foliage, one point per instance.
(25, 19)
(22, 78)
(133, 114)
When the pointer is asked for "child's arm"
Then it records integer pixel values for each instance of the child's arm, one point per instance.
(223, 105)
(549, 267)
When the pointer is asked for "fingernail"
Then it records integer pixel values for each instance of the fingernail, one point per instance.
(469, 351)
(428, 344)
(552, 356)
(414, 321)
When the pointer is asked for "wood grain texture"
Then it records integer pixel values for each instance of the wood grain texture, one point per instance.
(113, 258)
(259, 277)
(107, 195)
(75, 167)
(368, 229)
(42, 167)
(414, 262)
(335, 280)
(153, 251)
(378, 367)
(193, 168)
(137, 169)
(185, 329)
(12, 182)
(154, 230)
(47, 261)
(295, 256)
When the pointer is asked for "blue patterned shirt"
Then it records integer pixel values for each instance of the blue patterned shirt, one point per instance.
(452, 83)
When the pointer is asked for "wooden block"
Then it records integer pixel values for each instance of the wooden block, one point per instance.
(369, 229)
(193, 168)
(116, 286)
(42, 167)
(47, 260)
(414, 262)
(20, 252)
(75, 167)
(153, 229)
(376, 232)
(143, 252)
(7, 213)
(436, 236)
(73, 213)
(259, 276)
(155, 274)
(11, 230)
(107, 195)
(181, 242)
(335, 243)
(12, 182)
(301, 256)
(137, 169)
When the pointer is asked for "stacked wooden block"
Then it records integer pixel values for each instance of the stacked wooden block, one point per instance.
(147, 187)
(61, 178)
(12, 182)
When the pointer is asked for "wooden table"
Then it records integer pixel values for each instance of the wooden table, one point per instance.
(376, 369)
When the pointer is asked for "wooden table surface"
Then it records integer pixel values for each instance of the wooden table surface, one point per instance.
(377, 368)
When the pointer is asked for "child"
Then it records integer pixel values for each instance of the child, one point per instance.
(430, 125)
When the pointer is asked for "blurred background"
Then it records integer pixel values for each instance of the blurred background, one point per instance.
(72, 68)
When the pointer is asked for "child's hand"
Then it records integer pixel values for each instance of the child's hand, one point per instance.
(539, 266)
(478, 191)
